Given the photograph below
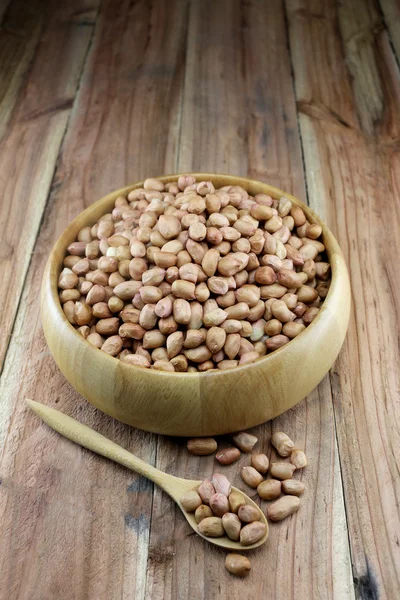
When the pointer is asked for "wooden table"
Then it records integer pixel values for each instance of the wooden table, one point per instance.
(304, 95)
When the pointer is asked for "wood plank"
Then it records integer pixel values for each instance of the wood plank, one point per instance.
(239, 115)
(75, 525)
(391, 13)
(251, 133)
(50, 43)
(353, 169)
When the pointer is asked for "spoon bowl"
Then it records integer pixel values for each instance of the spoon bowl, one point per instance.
(224, 541)
(175, 487)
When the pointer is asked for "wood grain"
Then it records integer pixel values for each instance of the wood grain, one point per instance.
(73, 525)
(235, 56)
(38, 44)
(353, 166)
(306, 556)
(175, 487)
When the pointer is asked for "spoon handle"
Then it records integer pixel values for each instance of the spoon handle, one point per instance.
(90, 439)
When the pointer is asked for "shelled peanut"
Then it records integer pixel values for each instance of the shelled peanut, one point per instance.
(281, 473)
(220, 511)
(185, 277)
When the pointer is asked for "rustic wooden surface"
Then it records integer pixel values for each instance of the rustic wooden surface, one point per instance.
(303, 94)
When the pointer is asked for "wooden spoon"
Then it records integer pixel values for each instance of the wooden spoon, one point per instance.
(174, 486)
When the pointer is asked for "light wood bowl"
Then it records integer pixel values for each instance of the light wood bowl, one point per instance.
(197, 404)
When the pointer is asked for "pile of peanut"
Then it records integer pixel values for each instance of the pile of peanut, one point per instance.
(220, 511)
(184, 277)
(280, 480)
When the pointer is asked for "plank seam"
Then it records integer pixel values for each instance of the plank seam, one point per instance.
(292, 79)
(286, 20)
(185, 69)
(341, 483)
(388, 32)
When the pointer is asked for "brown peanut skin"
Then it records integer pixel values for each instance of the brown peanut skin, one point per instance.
(236, 500)
(282, 470)
(250, 476)
(206, 490)
(249, 513)
(298, 459)
(251, 533)
(269, 489)
(190, 501)
(219, 504)
(232, 525)
(245, 441)
(202, 512)
(260, 462)
(221, 484)
(293, 487)
(237, 565)
(227, 456)
(202, 446)
(211, 527)
(282, 508)
(282, 443)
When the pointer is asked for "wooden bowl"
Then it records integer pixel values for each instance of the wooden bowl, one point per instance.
(197, 404)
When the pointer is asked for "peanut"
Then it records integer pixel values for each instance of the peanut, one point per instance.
(252, 533)
(206, 490)
(248, 513)
(202, 512)
(282, 470)
(282, 508)
(181, 311)
(236, 500)
(211, 527)
(221, 484)
(183, 289)
(190, 501)
(112, 345)
(225, 365)
(282, 443)
(215, 339)
(174, 343)
(237, 565)
(199, 354)
(250, 476)
(219, 504)
(269, 489)
(232, 525)
(136, 359)
(260, 462)
(293, 487)
(201, 446)
(298, 458)
(245, 441)
(276, 341)
(95, 339)
(227, 456)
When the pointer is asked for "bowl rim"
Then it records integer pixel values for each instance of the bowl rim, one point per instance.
(52, 271)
